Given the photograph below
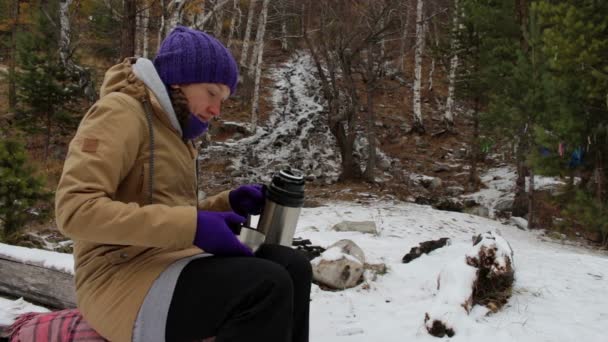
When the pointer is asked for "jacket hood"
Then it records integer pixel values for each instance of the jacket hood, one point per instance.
(132, 77)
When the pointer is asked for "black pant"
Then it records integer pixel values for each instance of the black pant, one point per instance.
(266, 298)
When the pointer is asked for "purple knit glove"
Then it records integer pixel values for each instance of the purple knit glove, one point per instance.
(194, 128)
(247, 199)
(215, 233)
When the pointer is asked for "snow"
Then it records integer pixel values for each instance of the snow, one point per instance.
(500, 183)
(333, 254)
(58, 261)
(558, 294)
(11, 309)
(295, 135)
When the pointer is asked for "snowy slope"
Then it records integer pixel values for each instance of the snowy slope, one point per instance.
(295, 135)
(559, 292)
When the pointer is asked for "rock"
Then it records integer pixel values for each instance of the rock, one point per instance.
(356, 226)
(449, 204)
(519, 222)
(384, 164)
(340, 266)
(430, 182)
(441, 168)
(454, 191)
(478, 210)
(504, 204)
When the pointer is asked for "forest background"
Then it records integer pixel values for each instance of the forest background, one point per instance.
(519, 82)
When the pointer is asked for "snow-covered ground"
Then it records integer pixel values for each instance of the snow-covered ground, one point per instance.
(559, 291)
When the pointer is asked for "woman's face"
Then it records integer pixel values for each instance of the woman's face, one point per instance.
(205, 99)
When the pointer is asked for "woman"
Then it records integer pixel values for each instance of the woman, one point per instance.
(152, 262)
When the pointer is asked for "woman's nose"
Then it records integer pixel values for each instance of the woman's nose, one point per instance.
(214, 110)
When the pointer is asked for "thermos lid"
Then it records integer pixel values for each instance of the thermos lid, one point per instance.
(287, 188)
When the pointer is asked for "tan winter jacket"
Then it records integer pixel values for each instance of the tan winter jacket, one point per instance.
(121, 242)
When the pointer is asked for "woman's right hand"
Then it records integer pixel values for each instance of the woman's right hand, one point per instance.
(215, 233)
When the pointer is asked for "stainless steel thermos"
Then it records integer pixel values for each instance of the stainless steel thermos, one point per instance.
(284, 200)
(278, 221)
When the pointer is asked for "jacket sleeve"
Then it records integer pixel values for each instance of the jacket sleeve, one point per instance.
(99, 157)
(219, 202)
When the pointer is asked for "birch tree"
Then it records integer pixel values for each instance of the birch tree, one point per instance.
(257, 55)
(143, 19)
(175, 11)
(162, 29)
(259, 39)
(235, 21)
(448, 116)
(245, 49)
(405, 14)
(219, 20)
(65, 52)
(418, 125)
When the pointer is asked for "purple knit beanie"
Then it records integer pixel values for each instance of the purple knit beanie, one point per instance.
(191, 56)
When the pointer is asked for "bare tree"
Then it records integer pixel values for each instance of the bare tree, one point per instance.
(418, 125)
(219, 21)
(258, 52)
(66, 51)
(405, 14)
(259, 38)
(336, 47)
(143, 19)
(235, 21)
(448, 116)
(245, 49)
(128, 29)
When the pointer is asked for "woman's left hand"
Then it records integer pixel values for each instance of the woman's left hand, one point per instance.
(247, 199)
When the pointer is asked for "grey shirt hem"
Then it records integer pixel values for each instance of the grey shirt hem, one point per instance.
(152, 317)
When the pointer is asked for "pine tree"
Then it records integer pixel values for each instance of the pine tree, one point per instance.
(47, 91)
(20, 189)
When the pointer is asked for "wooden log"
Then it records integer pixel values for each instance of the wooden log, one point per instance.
(48, 287)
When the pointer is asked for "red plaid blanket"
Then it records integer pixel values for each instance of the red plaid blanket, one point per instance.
(58, 326)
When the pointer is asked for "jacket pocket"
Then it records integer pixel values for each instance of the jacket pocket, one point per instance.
(124, 254)
(143, 183)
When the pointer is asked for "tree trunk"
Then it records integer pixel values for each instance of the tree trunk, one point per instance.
(473, 176)
(47, 144)
(284, 45)
(219, 21)
(234, 24)
(64, 31)
(245, 49)
(258, 52)
(12, 88)
(259, 38)
(418, 125)
(162, 29)
(127, 41)
(520, 202)
(531, 213)
(448, 116)
(141, 37)
(65, 52)
(371, 137)
(145, 20)
(405, 22)
(175, 13)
